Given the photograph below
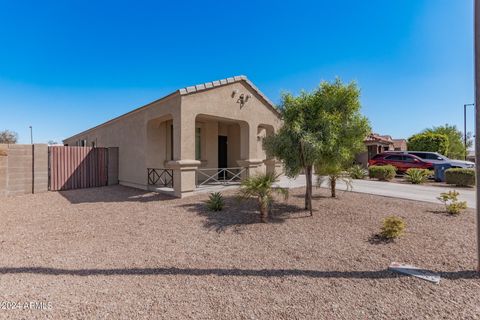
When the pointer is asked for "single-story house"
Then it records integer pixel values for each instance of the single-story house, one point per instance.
(376, 144)
(190, 135)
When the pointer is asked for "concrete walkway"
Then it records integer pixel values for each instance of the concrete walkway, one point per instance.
(390, 189)
(381, 188)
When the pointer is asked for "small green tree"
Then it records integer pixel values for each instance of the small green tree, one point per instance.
(319, 129)
(456, 146)
(432, 142)
(298, 142)
(340, 106)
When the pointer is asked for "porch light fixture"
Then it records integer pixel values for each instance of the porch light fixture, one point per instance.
(234, 93)
(243, 98)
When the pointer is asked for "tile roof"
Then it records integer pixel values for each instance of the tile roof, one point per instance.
(222, 82)
(374, 137)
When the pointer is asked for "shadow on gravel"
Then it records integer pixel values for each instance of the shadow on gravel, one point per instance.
(115, 193)
(377, 274)
(238, 213)
(378, 239)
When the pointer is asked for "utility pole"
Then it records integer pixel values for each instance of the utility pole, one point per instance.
(465, 126)
(31, 134)
(477, 119)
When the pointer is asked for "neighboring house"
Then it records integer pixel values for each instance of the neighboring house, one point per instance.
(185, 134)
(400, 144)
(376, 144)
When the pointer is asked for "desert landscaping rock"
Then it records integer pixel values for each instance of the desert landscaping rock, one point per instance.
(117, 252)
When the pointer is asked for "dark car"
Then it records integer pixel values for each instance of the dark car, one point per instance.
(402, 162)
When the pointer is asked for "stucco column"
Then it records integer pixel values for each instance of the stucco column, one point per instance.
(248, 148)
(184, 164)
(273, 166)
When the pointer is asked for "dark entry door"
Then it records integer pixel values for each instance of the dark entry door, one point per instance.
(222, 155)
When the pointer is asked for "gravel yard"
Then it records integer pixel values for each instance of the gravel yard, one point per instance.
(117, 252)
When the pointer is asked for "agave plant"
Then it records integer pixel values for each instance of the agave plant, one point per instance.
(215, 202)
(261, 188)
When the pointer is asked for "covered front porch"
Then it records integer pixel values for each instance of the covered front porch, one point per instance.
(221, 152)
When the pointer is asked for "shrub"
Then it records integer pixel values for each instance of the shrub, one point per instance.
(428, 141)
(357, 172)
(418, 176)
(461, 177)
(450, 200)
(261, 187)
(393, 227)
(383, 173)
(215, 202)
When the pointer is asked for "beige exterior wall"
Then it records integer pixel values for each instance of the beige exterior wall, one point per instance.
(138, 136)
(145, 141)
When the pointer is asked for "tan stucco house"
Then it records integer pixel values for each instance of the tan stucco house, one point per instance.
(189, 135)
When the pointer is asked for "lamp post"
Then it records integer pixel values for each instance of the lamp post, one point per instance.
(31, 134)
(476, 39)
(465, 126)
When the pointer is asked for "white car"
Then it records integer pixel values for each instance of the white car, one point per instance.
(435, 157)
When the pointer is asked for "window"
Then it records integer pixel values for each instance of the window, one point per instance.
(420, 155)
(433, 156)
(198, 144)
(409, 159)
(394, 158)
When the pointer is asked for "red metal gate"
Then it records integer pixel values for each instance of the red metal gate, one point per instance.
(77, 167)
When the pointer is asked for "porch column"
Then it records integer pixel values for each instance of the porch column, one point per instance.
(183, 164)
(273, 166)
(248, 148)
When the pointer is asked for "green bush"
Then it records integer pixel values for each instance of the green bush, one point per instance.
(215, 202)
(418, 176)
(428, 141)
(461, 177)
(357, 172)
(393, 227)
(383, 173)
(450, 200)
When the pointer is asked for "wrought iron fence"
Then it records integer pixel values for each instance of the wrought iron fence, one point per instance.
(220, 175)
(160, 177)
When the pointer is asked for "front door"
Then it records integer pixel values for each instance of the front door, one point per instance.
(222, 155)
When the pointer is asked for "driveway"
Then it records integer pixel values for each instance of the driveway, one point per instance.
(389, 189)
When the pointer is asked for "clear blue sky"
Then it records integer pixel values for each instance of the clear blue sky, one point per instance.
(66, 66)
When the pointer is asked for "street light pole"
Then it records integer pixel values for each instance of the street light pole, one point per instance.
(477, 119)
(31, 134)
(465, 126)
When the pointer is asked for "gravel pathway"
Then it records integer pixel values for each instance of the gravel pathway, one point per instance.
(121, 253)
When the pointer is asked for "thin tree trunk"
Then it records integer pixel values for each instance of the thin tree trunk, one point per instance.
(263, 212)
(308, 191)
(333, 185)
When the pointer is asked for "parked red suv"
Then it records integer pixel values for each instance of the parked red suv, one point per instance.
(402, 162)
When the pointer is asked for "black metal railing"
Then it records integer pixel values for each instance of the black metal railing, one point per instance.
(160, 177)
(223, 176)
